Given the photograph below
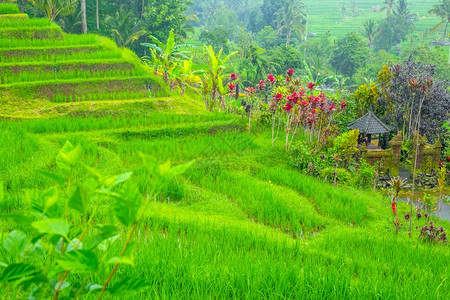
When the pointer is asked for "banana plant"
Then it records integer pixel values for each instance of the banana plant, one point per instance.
(184, 76)
(214, 74)
(165, 56)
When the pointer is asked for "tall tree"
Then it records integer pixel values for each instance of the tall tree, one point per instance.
(441, 10)
(350, 54)
(370, 31)
(289, 18)
(124, 27)
(161, 16)
(83, 16)
(389, 6)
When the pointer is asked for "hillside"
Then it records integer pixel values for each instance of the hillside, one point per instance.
(326, 15)
(240, 223)
(40, 65)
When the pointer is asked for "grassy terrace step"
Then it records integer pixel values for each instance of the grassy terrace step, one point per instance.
(91, 115)
(57, 54)
(85, 89)
(69, 40)
(25, 22)
(13, 73)
(52, 32)
(13, 17)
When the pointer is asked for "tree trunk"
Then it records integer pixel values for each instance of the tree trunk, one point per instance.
(22, 7)
(96, 15)
(83, 16)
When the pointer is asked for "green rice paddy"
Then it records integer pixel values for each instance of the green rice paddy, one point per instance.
(240, 223)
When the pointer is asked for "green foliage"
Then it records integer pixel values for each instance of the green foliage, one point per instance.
(350, 54)
(162, 16)
(71, 256)
(345, 145)
(343, 176)
(53, 8)
(393, 30)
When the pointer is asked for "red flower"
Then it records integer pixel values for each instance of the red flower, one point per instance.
(332, 107)
(261, 85)
(288, 79)
(288, 107)
(271, 78)
(278, 97)
(311, 85)
(343, 104)
(304, 103)
(394, 208)
(290, 72)
(440, 163)
(234, 76)
(448, 158)
(314, 111)
(231, 86)
(250, 90)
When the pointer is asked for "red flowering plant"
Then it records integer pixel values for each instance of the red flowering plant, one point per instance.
(233, 92)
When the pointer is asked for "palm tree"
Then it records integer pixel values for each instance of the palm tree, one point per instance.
(441, 10)
(403, 12)
(389, 6)
(213, 76)
(165, 56)
(289, 18)
(370, 30)
(124, 27)
(53, 8)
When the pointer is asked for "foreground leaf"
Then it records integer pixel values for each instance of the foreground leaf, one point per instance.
(127, 204)
(15, 243)
(15, 272)
(68, 156)
(82, 261)
(58, 227)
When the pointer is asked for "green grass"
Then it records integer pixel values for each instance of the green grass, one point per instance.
(239, 224)
(325, 15)
(8, 8)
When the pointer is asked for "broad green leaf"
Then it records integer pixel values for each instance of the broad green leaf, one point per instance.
(15, 272)
(57, 178)
(104, 232)
(3, 265)
(164, 168)
(82, 261)
(42, 202)
(115, 180)
(129, 286)
(15, 243)
(127, 258)
(58, 227)
(126, 206)
(50, 198)
(68, 156)
(80, 198)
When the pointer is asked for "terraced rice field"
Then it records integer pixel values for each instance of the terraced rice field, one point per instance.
(240, 223)
(325, 15)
